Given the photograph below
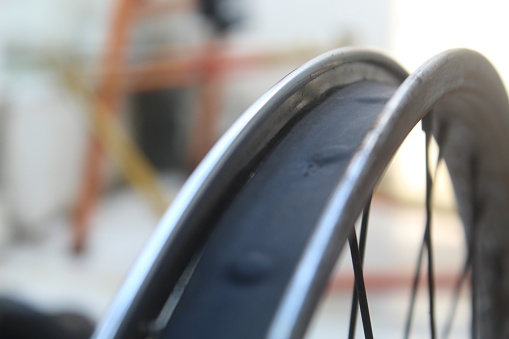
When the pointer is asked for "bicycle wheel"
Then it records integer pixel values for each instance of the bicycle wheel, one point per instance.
(247, 247)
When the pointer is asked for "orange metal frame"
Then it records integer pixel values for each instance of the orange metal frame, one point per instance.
(116, 79)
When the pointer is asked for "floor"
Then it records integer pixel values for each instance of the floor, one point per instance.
(45, 273)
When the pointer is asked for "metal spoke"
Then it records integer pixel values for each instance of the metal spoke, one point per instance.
(431, 277)
(475, 327)
(360, 286)
(472, 236)
(362, 250)
(426, 243)
(457, 290)
(415, 285)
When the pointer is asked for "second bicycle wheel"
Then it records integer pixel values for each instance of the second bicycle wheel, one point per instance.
(247, 247)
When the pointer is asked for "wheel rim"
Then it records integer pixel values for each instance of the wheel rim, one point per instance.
(444, 83)
(438, 84)
(228, 157)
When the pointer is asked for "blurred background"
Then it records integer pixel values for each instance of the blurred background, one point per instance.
(107, 106)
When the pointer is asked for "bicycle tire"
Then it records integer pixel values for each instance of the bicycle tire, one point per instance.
(301, 163)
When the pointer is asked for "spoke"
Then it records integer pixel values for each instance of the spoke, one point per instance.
(475, 327)
(426, 243)
(359, 285)
(362, 250)
(415, 285)
(359, 294)
(431, 274)
(472, 251)
(456, 296)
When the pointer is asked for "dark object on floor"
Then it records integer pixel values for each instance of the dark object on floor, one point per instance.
(20, 321)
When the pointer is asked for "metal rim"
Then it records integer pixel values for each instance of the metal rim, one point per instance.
(241, 143)
(460, 86)
(440, 84)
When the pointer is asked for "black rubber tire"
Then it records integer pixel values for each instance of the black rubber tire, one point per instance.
(261, 234)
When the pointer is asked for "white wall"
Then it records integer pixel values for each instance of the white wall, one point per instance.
(43, 128)
(420, 29)
(319, 22)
